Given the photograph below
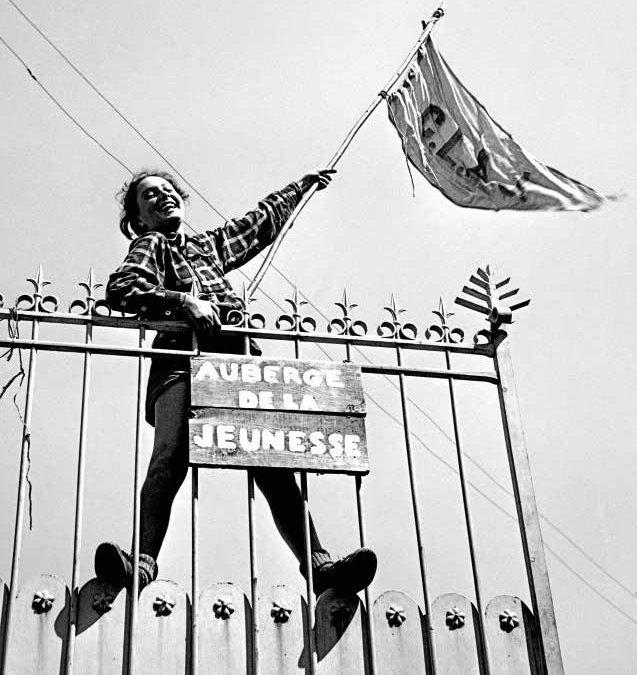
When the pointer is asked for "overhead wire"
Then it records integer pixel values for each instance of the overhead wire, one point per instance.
(75, 121)
(111, 105)
(85, 131)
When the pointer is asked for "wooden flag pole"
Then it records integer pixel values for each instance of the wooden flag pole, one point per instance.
(427, 28)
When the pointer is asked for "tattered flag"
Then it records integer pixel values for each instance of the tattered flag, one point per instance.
(452, 140)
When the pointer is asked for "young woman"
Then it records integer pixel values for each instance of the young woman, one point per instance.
(170, 274)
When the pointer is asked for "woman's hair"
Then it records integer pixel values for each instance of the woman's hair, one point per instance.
(129, 222)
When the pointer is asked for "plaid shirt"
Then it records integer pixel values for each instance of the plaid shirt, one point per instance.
(160, 270)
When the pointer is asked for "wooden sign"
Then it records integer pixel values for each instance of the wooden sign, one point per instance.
(250, 412)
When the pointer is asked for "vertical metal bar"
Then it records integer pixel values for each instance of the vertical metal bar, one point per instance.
(528, 517)
(468, 520)
(136, 504)
(307, 548)
(22, 482)
(371, 647)
(79, 497)
(311, 605)
(254, 572)
(194, 635)
(194, 524)
(362, 535)
(416, 511)
(254, 586)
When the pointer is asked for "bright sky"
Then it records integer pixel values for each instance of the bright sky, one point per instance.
(244, 97)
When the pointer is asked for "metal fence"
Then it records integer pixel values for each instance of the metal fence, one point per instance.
(457, 635)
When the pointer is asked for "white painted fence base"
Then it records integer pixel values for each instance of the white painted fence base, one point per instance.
(38, 639)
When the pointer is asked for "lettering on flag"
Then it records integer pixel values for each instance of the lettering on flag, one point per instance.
(449, 137)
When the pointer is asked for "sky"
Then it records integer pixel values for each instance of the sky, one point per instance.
(244, 98)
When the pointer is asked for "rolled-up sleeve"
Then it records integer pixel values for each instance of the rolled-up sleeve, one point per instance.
(240, 239)
(137, 285)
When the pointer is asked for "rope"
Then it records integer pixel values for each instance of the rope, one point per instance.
(13, 330)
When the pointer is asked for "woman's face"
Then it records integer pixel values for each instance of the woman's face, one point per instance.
(160, 206)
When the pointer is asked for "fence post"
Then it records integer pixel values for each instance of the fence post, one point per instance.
(33, 302)
(528, 517)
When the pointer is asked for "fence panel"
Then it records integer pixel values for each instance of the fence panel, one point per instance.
(282, 632)
(508, 628)
(398, 634)
(39, 627)
(162, 640)
(339, 634)
(100, 629)
(224, 630)
(454, 634)
(448, 638)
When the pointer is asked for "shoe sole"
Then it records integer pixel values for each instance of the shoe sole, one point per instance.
(110, 565)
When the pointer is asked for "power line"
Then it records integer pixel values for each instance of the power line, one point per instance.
(62, 108)
(282, 274)
(113, 107)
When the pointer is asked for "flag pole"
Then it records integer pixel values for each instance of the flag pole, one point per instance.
(382, 95)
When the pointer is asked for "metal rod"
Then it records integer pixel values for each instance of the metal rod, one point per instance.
(136, 505)
(416, 511)
(343, 147)
(258, 333)
(254, 570)
(311, 605)
(254, 585)
(79, 500)
(468, 521)
(528, 517)
(194, 636)
(362, 536)
(22, 485)
(476, 376)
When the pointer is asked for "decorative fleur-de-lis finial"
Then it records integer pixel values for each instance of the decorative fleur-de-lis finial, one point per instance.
(395, 329)
(345, 325)
(491, 296)
(295, 321)
(37, 301)
(444, 332)
(242, 316)
(90, 285)
(90, 305)
(39, 283)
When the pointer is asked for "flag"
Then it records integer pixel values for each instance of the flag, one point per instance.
(451, 139)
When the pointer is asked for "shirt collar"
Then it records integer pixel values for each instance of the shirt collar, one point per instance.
(178, 239)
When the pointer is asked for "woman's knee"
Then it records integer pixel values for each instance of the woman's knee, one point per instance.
(275, 481)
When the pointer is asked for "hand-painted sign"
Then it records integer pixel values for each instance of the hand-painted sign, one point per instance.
(249, 412)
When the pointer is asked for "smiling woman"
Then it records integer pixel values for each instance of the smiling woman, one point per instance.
(174, 275)
(134, 193)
